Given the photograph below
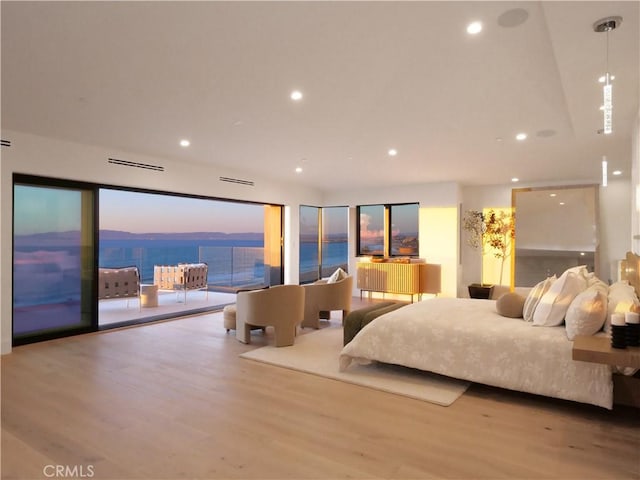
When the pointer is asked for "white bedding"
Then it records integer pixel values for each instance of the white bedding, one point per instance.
(466, 339)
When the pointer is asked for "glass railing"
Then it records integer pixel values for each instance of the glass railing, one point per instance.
(229, 267)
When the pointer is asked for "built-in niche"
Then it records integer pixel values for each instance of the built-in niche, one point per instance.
(556, 228)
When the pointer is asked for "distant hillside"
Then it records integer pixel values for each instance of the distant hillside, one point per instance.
(62, 238)
(120, 235)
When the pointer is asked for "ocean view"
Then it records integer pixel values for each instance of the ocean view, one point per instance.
(46, 266)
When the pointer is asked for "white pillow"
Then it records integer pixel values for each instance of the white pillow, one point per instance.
(534, 296)
(622, 297)
(579, 270)
(554, 304)
(338, 275)
(587, 313)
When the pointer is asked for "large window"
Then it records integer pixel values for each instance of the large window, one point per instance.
(404, 221)
(53, 259)
(323, 241)
(335, 239)
(309, 253)
(388, 229)
(148, 229)
(371, 230)
(64, 232)
(240, 243)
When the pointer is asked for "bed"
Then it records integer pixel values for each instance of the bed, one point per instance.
(467, 339)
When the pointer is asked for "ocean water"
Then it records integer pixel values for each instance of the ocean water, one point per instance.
(231, 262)
(49, 274)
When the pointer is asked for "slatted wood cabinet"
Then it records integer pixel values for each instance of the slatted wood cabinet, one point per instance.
(398, 278)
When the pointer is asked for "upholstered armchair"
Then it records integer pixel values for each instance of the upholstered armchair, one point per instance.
(280, 307)
(323, 296)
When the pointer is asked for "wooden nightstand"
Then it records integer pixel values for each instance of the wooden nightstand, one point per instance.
(599, 350)
(626, 389)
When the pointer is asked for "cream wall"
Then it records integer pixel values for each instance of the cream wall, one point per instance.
(615, 226)
(34, 155)
(635, 186)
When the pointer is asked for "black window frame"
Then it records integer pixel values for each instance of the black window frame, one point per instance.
(387, 237)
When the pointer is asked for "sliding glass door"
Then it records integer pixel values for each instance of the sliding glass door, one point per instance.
(53, 260)
(64, 232)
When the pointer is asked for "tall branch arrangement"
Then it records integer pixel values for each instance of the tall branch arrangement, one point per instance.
(492, 230)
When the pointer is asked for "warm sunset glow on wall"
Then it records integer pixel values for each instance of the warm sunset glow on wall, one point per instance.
(438, 241)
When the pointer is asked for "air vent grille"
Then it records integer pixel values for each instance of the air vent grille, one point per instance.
(237, 180)
(5, 143)
(127, 163)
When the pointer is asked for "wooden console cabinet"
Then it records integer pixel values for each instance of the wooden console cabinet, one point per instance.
(399, 278)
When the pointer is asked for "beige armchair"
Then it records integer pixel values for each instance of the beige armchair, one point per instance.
(281, 307)
(322, 297)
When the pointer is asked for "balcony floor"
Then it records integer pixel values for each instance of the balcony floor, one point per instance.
(170, 304)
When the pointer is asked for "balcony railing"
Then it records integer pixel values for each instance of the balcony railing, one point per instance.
(229, 267)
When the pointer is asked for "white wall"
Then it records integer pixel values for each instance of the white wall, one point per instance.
(615, 226)
(34, 155)
(635, 186)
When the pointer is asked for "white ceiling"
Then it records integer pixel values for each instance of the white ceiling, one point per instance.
(139, 76)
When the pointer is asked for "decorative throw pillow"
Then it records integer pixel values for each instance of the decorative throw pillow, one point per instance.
(554, 304)
(534, 296)
(338, 275)
(587, 313)
(510, 305)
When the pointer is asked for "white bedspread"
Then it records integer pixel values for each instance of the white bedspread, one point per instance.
(465, 338)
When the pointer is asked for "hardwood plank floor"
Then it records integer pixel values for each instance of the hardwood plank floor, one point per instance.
(173, 400)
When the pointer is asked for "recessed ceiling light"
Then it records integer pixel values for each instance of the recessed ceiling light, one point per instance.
(561, 203)
(603, 78)
(552, 194)
(515, 179)
(184, 142)
(392, 152)
(474, 27)
(298, 169)
(582, 254)
(296, 95)
(616, 172)
(521, 136)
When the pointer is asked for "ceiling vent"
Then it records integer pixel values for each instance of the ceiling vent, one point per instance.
(5, 143)
(237, 180)
(127, 163)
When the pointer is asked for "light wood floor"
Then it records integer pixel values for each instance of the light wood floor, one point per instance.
(172, 400)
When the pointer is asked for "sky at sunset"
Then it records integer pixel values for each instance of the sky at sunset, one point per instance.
(144, 213)
(45, 209)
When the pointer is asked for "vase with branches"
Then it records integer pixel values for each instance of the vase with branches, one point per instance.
(490, 231)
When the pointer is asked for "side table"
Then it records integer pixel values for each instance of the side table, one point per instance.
(148, 295)
(626, 389)
(599, 350)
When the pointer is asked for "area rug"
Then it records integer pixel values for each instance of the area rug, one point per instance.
(318, 353)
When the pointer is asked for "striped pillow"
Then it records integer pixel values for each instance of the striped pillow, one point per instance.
(534, 297)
